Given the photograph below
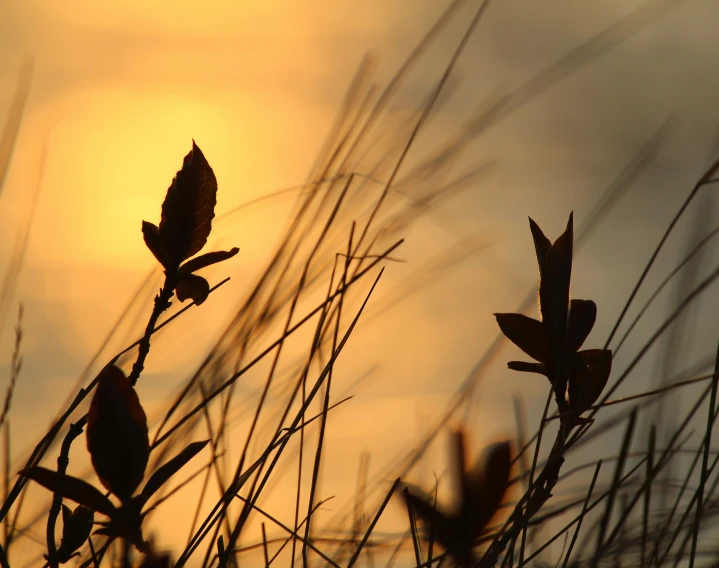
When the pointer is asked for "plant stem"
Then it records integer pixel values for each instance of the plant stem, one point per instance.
(162, 302)
(535, 498)
(63, 461)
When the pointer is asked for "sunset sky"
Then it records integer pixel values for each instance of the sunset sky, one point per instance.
(120, 89)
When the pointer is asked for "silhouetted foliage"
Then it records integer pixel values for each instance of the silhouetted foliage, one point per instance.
(481, 490)
(185, 225)
(119, 448)
(578, 377)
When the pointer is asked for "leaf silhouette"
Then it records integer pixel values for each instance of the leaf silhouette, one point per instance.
(151, 234)
(189, 208)
(192, 286)
(489, 482)
(71, 488)
(480, 493)
(169, 469)
(577, 377)
(542, 245)
(195, 264)
(526, 333)
(117, 434)
(585, 388)
(76, 529)
(554, 285)
(582, 315)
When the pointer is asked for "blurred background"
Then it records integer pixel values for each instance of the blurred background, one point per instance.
(117, 91)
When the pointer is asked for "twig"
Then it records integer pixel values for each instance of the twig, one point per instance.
(162, 302)
(63, 461)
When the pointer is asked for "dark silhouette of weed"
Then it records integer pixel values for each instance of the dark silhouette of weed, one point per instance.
(117, 435)
(481, 491)
(348, 219)
(577, 377)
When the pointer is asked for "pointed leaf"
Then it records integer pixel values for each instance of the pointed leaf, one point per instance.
(541, 243)
(195, 264)
(585, 388)
(151, 235)
(165, 472)
(192, 286)
(117, 434)
(582, 315)
(526, 367)
(71, 488)
(526, 333)
(554, 287)
(189, 208)
(76, 529)
(489, 482)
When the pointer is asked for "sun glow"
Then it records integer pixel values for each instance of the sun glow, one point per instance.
(118, 150)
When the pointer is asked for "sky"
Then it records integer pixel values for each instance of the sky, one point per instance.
(120, 89)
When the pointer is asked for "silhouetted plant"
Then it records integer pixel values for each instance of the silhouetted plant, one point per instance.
(185, 225)
(577, 377)
(117, 426)
(76, 528)
(481, 490)
(117, 436)
(153, 560)
(118, 445)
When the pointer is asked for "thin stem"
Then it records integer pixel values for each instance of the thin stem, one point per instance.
(63, 461)
(162, 302)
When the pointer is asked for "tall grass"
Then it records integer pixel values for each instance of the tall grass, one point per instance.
(650, 502)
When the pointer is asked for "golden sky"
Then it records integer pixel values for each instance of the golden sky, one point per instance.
(120, 89)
